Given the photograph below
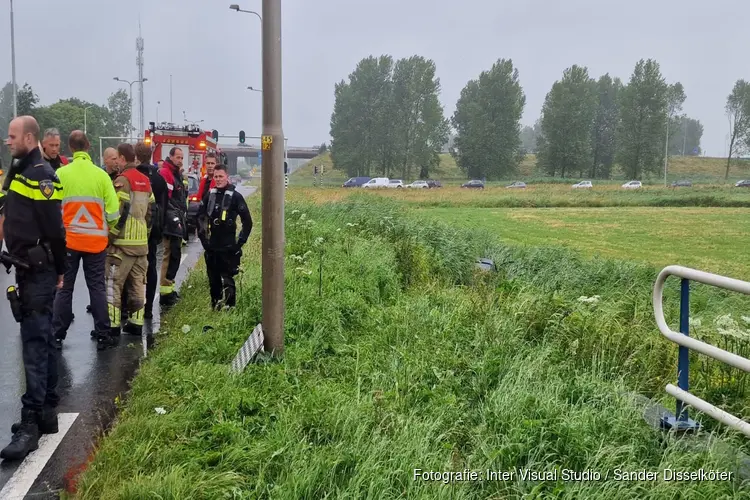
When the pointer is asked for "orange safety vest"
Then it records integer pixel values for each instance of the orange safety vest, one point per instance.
(85, 226)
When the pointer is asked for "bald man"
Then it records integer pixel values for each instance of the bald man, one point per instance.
(34, 232)
(110, 162)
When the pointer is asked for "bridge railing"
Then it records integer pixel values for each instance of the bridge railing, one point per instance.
(683, 339)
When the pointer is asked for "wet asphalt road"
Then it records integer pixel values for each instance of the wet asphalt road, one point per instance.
(88, 384)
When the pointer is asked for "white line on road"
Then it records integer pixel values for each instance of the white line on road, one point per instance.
(23, 479)
(182, 259)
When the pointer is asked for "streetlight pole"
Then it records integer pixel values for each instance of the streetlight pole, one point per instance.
(157, 111)
(13, 61)
(117, 79)
(272, 182)
(85, 122)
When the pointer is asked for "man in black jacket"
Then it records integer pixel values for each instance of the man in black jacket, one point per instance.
(217, 230)
(34, 233)
(159, 188)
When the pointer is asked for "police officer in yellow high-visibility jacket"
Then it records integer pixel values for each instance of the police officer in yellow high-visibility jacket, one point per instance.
(34, 233)
(90, 209)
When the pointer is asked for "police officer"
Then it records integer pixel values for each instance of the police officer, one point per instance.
(34, 233)
(217, 230)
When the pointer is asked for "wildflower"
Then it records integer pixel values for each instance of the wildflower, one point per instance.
(589, 300)
(303, 217)
(318, 241)
(746, 319)
(694, 322)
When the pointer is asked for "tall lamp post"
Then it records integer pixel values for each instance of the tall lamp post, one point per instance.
(13, 61)
(272, 180)
(85, 122)
(117, 79)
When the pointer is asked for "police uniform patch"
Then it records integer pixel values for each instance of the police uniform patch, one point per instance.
(47, 188)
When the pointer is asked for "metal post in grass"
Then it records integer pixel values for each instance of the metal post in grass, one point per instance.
(683, 357)
(681, 422)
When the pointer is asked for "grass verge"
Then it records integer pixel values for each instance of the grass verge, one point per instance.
(401, 356)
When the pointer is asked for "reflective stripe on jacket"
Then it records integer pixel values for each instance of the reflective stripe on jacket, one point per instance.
(89, 204)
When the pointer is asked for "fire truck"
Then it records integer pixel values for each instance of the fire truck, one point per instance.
(193, 141)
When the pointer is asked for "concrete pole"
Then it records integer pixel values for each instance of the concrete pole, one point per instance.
(272, 183)
(13, 61)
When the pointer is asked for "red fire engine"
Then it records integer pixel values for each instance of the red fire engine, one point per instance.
(193, 141)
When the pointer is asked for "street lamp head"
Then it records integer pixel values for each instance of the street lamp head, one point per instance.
(116, 79)
(145, 80)
(234, 6)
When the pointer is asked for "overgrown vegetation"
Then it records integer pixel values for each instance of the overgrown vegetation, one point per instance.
(404, 356)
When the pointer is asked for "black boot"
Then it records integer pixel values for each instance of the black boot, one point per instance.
(148, 312)
(131, 329)
(107, 340)
(168, 300)
(47, 422)
(25, 439)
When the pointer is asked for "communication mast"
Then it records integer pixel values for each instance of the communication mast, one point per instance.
(139, 63)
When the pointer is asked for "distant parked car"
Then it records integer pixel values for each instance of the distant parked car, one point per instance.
(583, 185)
(682, 183)
(377, 182)
(475, 184)
(355, 182)
(742, 184)
(431, 183)
(419, 185)
(517, 185)
(632, 185)
(395, 183)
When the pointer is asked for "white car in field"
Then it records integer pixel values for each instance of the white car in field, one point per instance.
(632, 185)
(395, 183)
(583, 185)
(419, 185)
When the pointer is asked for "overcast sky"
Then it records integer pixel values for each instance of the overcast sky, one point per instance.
(75, 48)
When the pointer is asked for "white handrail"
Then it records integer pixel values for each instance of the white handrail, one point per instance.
(709, 409)
(689, 342)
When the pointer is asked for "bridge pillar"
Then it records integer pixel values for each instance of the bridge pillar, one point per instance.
(232, 165)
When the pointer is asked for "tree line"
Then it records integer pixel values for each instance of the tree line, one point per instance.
(388, 120)
(66, 115)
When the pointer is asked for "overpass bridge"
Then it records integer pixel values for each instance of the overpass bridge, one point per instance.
(236, 151)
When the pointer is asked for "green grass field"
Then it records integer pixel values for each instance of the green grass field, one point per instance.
(400, 355)
(709, 239)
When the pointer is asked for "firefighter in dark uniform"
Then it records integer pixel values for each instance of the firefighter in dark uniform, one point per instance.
(35, 237)
(217, 230)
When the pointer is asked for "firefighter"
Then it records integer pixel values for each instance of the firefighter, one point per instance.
(34, 233)
(174, 229)
(159, 188)
(90, 209)
(51, 148)
(127, 259)
(217, 230)
(207, 181)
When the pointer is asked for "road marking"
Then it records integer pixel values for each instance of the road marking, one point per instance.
(23, 479)
(182, 259)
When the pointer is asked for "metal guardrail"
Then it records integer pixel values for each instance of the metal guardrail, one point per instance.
(682, 338)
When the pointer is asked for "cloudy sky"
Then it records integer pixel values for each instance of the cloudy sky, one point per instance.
(76, 47)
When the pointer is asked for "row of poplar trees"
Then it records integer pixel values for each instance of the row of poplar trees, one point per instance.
(388, 120)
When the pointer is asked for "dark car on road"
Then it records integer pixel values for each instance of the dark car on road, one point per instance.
(474, 184)
(193, 202)
(742, 184)
(355, 182)
(682, 183)
(432, 183)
